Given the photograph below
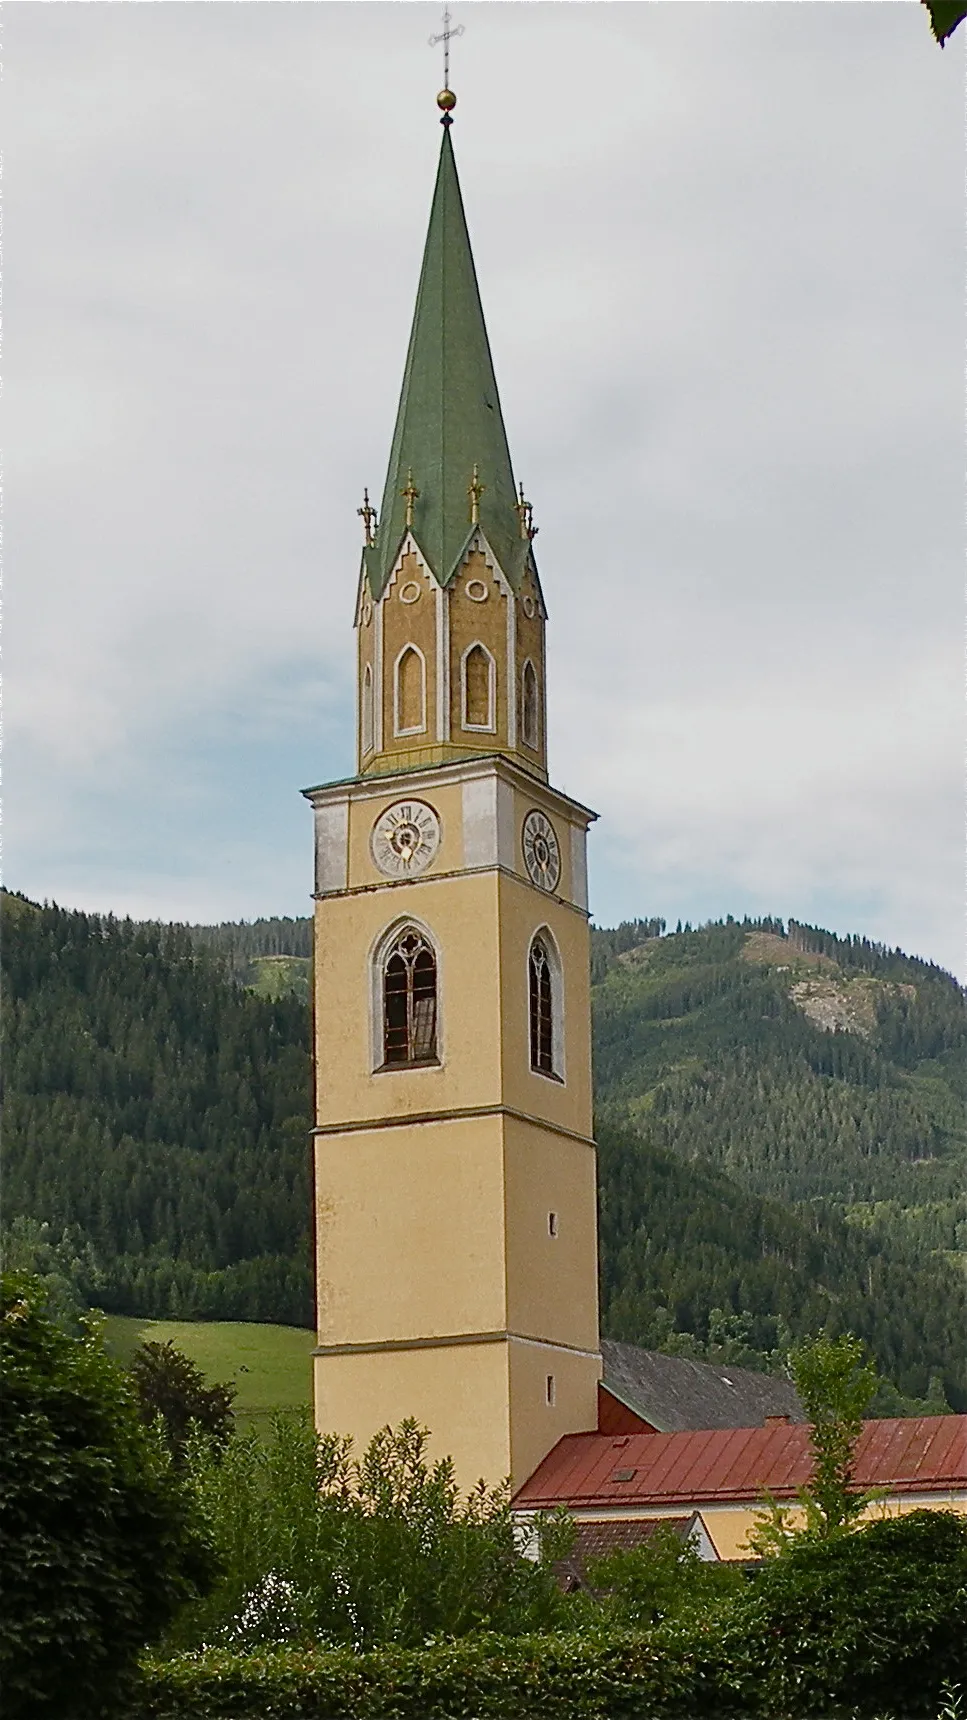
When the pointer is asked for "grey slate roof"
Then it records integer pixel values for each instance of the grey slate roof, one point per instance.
(674, 1394)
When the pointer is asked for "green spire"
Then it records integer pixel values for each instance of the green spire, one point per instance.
(449, 417)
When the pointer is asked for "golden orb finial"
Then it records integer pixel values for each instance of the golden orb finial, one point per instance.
(446, 100)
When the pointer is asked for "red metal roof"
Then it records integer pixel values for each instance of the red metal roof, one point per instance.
(920, 1455)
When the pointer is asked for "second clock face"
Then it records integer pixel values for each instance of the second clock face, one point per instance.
(405, 838)
(542, 854)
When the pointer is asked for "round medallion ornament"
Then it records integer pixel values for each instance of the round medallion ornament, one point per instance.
(542, 854)
(405, 839)
(530, 608)
(410, 592)
(476, 591)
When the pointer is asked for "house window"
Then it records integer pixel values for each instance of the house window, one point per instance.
(479, 679)
(552, 1224)
(409, 1001)
(541, 1008)
(530, 716)
(410, 692)
(366, 711)
(550, 1390)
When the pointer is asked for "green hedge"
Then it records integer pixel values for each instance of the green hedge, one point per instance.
(627, 1677)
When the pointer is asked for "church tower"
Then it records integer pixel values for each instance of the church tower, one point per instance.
(455, 1206)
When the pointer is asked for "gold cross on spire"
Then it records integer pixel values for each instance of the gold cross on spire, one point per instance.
(368, 516)
(475, 490)
(410, 495)
(446, 99)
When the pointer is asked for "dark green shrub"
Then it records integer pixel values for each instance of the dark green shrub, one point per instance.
(97, 1544)
(170, 1385)
(479, 1678)
(873, 1622)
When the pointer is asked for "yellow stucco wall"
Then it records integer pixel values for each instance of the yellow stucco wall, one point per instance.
(535, 1425)
(410, 1231)
(461, 1393)
(434, 1184)
(551, 1280)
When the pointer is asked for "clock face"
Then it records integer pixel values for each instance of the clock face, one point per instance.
(542, 854)
(405, 838)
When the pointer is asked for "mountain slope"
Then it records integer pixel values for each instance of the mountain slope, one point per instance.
(761, 1174)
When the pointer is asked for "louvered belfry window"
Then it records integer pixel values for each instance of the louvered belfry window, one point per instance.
(541, 1009)
(409, 1001)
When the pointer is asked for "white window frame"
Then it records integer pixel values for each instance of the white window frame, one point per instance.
(419, 728)
(490, 727)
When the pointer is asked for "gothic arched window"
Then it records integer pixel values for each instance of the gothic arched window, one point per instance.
(410, 692)
(479, 677)
(366, 712)
(541, 979)
(409, 1000)
(529, 705)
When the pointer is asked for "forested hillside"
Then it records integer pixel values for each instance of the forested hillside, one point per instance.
(780, 1116)
(159, 1112)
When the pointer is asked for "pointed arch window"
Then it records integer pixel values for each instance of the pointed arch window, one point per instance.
(409, 1000)
(530, 707)
(541, 1008)
(479, 688)
(366, 711)
(409, 692)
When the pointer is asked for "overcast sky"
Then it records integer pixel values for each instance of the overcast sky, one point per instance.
(720, 253)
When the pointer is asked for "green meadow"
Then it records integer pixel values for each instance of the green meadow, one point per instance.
(269, 1365)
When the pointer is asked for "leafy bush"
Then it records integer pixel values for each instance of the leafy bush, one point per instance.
(98, 1547)
(317, 1545)
(874, 1622)
(170, 1385)
(663, 1579)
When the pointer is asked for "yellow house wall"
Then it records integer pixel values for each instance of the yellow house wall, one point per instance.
(410, 1232)
(460, 1393)
(729, 1526)
(535, 1425)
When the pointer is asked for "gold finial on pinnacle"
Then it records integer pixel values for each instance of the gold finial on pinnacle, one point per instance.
(446, 100)
(475, 490)
(525, 516)
(410, 495)
(368, 516)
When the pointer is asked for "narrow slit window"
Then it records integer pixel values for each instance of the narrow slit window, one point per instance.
(530, 717)
(541, 1009)
(552, 1224)
(550, 1390)
(409, 1002)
